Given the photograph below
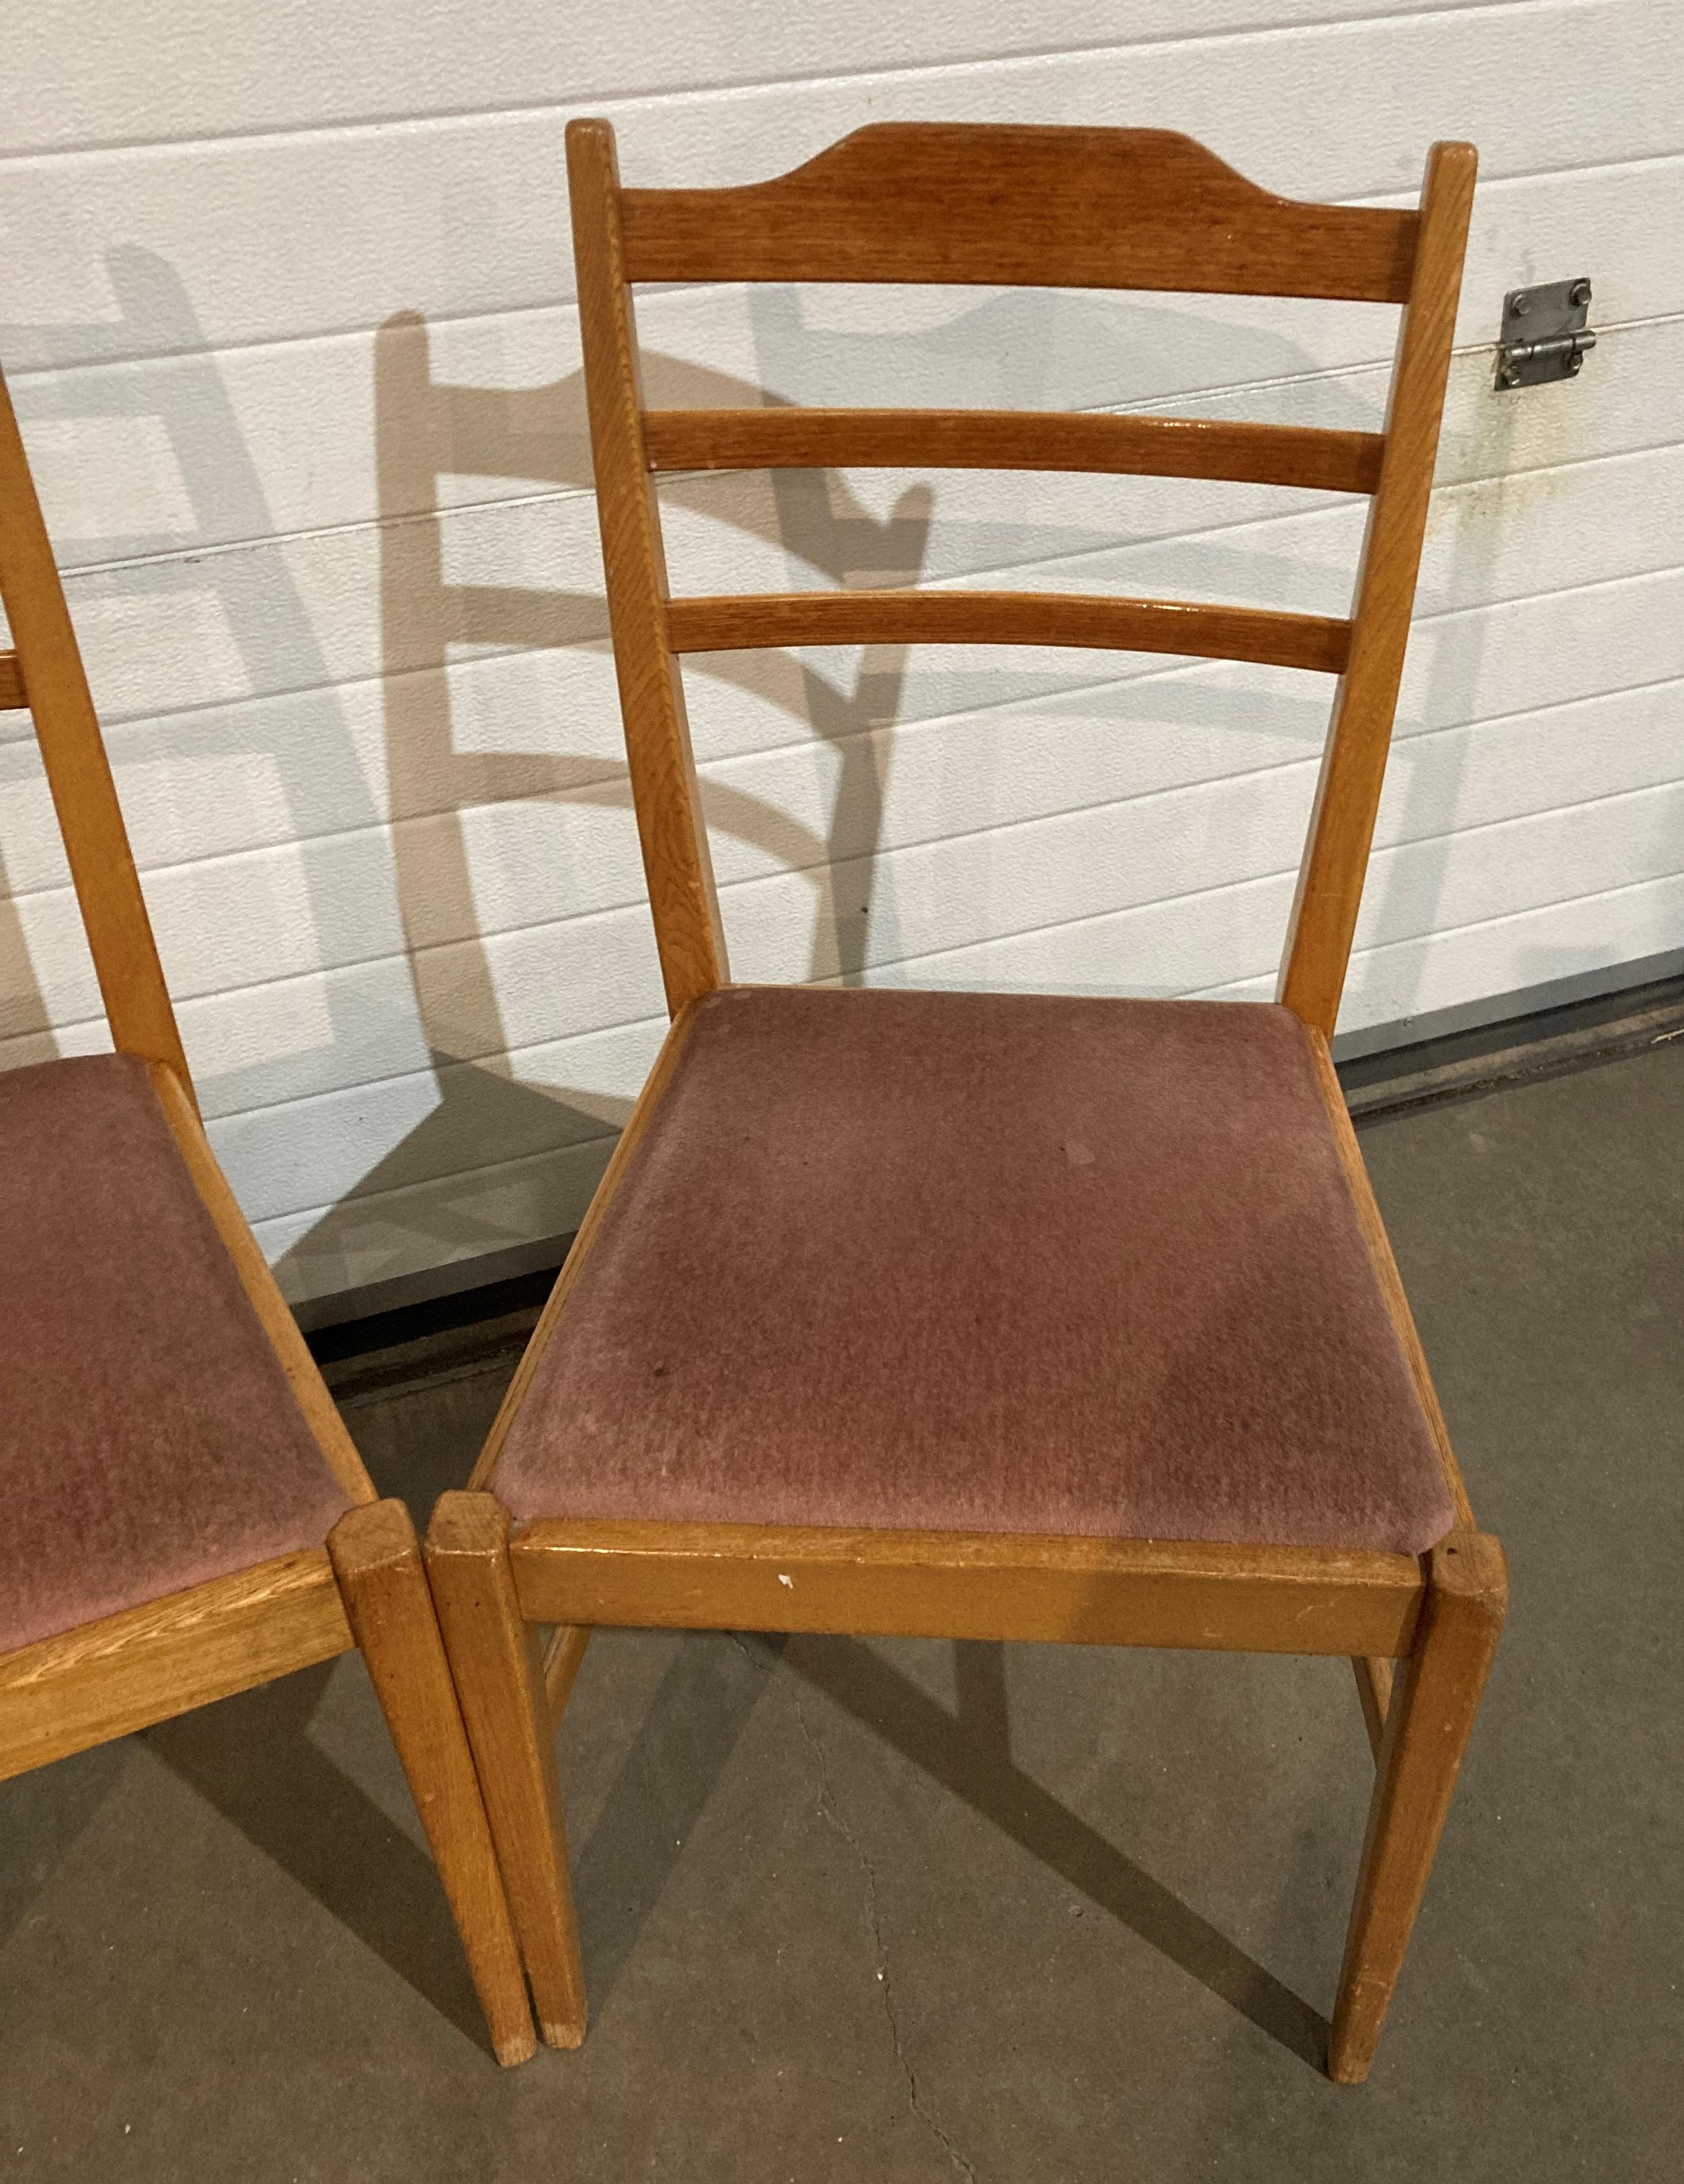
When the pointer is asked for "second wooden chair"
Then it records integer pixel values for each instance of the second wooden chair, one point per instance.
(990, 1316)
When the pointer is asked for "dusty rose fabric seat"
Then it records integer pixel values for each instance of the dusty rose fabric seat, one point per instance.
(148, 1437)
(985, 1262)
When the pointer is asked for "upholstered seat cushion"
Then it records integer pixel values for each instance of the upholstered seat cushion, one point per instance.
(148, 1438)
(985, 1262)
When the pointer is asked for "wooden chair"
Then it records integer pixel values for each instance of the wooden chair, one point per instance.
(186, 1516)
(975, 1316)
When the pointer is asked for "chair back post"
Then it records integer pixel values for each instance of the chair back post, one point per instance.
(677, 861)
(48, 677)
(1329, 891)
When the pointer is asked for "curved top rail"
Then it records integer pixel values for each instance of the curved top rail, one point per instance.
(1058, 207)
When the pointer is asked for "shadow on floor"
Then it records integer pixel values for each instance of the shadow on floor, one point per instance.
(969, 1754)
(251, 1758)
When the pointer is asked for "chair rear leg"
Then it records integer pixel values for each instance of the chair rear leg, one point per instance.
(377, 1559)
(496, 1661)
(1427, 1723)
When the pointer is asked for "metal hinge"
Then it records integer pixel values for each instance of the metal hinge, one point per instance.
(1544, 336)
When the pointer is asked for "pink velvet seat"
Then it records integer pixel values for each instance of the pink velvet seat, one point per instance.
(148, 1437)
(985, 1262)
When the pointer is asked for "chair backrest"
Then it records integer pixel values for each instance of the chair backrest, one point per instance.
(1032, 207)
(45, 674)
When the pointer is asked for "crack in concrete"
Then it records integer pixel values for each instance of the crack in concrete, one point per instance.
(830, 1813)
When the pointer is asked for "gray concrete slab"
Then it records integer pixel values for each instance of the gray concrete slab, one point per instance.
(922, 1911)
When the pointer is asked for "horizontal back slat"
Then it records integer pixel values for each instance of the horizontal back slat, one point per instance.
(1011, 439)
(11, 683)
(1048, 207)
(758, 619)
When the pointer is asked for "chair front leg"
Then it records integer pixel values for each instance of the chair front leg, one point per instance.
(1427, 1723)
(494, 1659)
(377, 1560)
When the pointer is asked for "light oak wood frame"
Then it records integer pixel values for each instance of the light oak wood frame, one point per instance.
(365, 1585)
(967, 204)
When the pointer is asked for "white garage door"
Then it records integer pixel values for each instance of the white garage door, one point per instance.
(286, 308)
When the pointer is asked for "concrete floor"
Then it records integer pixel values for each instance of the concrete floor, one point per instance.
(860, 1910)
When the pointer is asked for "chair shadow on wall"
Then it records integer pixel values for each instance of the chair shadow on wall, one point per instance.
(294, 719)
(483, 1115)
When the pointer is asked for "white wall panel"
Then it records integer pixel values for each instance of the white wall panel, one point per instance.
(214, 71)
(156, 250)
(1192, 944)
(288, 320)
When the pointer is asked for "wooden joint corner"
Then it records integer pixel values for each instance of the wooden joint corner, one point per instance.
(372, 1535)
(468, 1523)
(1471, 1567)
